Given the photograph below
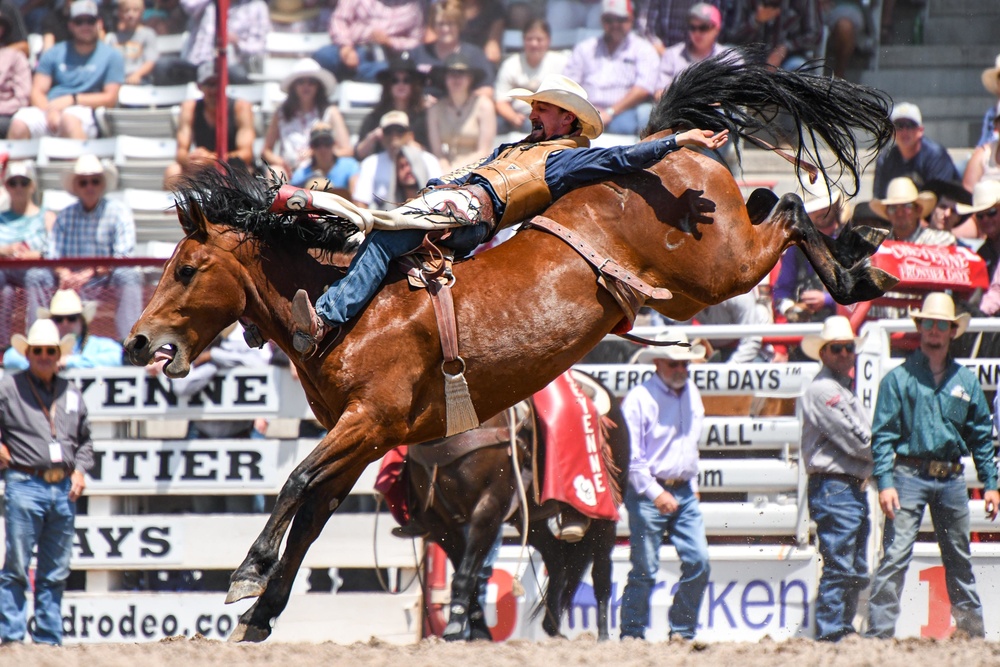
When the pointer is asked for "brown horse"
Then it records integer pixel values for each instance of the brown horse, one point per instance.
(526, 310)
(463, 503)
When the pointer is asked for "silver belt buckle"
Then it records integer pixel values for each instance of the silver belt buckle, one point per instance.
(939, 469)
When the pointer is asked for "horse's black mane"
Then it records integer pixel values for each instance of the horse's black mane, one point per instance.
(724, 92)
(228, 194)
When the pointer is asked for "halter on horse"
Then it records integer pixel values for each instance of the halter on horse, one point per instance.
(526, 310)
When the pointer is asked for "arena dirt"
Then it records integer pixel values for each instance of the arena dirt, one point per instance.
(854, 652)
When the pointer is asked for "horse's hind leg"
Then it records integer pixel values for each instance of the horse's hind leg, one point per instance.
(603, 534)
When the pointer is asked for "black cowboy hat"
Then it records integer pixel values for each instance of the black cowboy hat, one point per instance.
(951, 189)
(402, 63)
(457, 62)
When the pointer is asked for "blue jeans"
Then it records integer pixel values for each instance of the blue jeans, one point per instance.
(368, 269)
(686, 530)
(37, 514)
(840, 510)
(949, 503)
(369, 63)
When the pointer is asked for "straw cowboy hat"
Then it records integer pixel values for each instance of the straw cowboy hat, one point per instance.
(567, 94)
(680, 352)
(939, 306)
(67, 302)
(836, 327)
(307, 68)
(985, 195)
(991, 78)
(903, 191)
(43, 333)
(91, 165)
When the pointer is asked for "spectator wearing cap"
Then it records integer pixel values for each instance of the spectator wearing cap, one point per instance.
(309, 89)
(837, 454)
(664, 416)
(447, 19)
(985, 206)
(196, 129)
(905, 207)
(402, 90)
(665, 22)
(462, 126)
(386, 178)
(984, 165)
(618, 69)
(366, 33)
(72, 317)
(15, 79)
(991, 82)
(23, 235)
(789, 30)
(704, 23)
(912, 154)
(94, 227)
(135, 41)
(45, 450)
(526, 70)
(72, 79)
(324, 164)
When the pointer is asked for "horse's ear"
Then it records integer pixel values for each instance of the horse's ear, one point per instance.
(193, 220)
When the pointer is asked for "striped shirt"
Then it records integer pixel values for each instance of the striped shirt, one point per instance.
(106, 231)
(15, 228)
(248, 19)
(606, 76)
(354, 21)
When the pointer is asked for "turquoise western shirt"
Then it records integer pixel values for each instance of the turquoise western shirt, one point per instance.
(944, 423)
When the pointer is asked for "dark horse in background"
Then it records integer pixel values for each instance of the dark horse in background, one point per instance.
(526, 310)
(464, 502)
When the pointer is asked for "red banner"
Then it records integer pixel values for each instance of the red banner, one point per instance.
(932, 268)
(574, 469)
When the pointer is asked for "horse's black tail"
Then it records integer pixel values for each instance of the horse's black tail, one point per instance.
(723, 92)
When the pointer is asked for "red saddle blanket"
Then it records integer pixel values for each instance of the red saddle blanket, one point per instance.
(574, 468)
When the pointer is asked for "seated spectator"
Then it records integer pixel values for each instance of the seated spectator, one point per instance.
(790, 30)
(904, 207)
(22, 236)
(72, 79)
(166, 17)
(526, 70)
(462, 126)
(447, 19)
(396, 174)
(136, 42)
(14, 34)
(297, 16)
(704, 22)
(196, 130)
(248, 25)
(485, 21)
(946, 216)
(15, 80)
(368, 33)
(665, 24)
(55, 24)
(985, 208)
(991, 82)
(912, 154)
(573, 14)
(309, 88)
(73, 317)
(324, 164)
(402, 90)
(850, 26)
(95, 226)
(984, 165)
(618, 70)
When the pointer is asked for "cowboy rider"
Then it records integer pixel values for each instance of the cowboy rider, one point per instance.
(516, 182)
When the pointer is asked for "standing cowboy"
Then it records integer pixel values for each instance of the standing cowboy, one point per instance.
(45, 447)
(514, 183)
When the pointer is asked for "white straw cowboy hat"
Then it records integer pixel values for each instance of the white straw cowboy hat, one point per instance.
(680, 352)
(902, 190)
(939, 306)
(91, 165)
(985, 195)
(991, 78)
(835, 328)
(67, 302)
(567, 94)
(307, 68)
(43, 333)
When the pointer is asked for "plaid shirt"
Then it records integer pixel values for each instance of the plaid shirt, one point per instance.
(354, 21)
(28, 228)
(606, 76)
(107, 231)
(249, 19)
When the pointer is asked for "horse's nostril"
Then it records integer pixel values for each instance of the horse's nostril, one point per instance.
(138, 343)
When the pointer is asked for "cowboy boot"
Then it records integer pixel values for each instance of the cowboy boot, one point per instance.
(310, 328)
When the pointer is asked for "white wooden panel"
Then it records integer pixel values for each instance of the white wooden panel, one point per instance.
(749, 433)
(778, 380)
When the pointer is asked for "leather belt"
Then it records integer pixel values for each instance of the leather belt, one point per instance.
(840, 477)
(49, 475)
(668, 484)
(932, 468)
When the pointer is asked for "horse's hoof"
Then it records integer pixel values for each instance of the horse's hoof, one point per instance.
(240, 590)
(249, 633)
(455, 632)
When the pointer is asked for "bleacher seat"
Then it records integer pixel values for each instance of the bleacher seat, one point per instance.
(19, 149)
(356, 100)
(513, 41)
(170, 44)
(284, 48)
(141, 161)
(56, 156)
(143, 111)
(155, 217)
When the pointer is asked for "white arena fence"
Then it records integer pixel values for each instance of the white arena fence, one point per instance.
(765, 568)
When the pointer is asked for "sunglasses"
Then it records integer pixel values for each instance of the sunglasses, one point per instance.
(44, 351)
(905, 125)
(89, 182)
(892, 208)
(837, 348)
(84, 20)
(402, 79)
(607, 18)
(321, 143)
(395, 130)
(59, 319)
(989, 213)
(942, 325)
(18, 182)
(700, 27)
(676, 364)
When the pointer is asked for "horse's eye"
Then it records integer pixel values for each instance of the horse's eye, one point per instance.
(186, 272)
